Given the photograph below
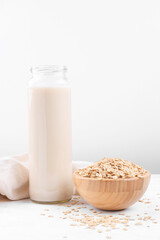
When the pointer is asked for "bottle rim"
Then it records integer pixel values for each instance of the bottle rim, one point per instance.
(48, 69)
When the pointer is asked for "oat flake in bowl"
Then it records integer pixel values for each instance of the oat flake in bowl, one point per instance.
(112, 168)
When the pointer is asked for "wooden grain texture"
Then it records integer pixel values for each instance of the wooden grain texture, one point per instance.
(111, 194)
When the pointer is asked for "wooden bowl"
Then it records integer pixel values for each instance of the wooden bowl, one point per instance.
(111, 194)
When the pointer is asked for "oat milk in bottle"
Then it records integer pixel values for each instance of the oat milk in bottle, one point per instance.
(50, 154)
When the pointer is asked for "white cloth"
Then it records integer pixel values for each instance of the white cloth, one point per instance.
(14, 176)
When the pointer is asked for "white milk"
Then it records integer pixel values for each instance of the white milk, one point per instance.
(50, 175)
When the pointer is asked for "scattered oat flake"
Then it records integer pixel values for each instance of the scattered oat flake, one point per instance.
(66, 212)
(73, 224)
(50, 216)
(42, 214)
(138, 223)
(76, 197)
(94, 218)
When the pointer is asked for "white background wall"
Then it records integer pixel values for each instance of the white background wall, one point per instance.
(112, 50)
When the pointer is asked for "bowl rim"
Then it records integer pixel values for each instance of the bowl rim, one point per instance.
(147, 174)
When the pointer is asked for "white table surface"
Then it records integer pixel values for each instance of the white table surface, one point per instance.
(22, 220)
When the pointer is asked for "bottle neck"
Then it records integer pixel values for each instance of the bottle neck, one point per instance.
(48, 76)
(54, 76)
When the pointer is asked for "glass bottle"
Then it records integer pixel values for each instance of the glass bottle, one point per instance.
(50, 153)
